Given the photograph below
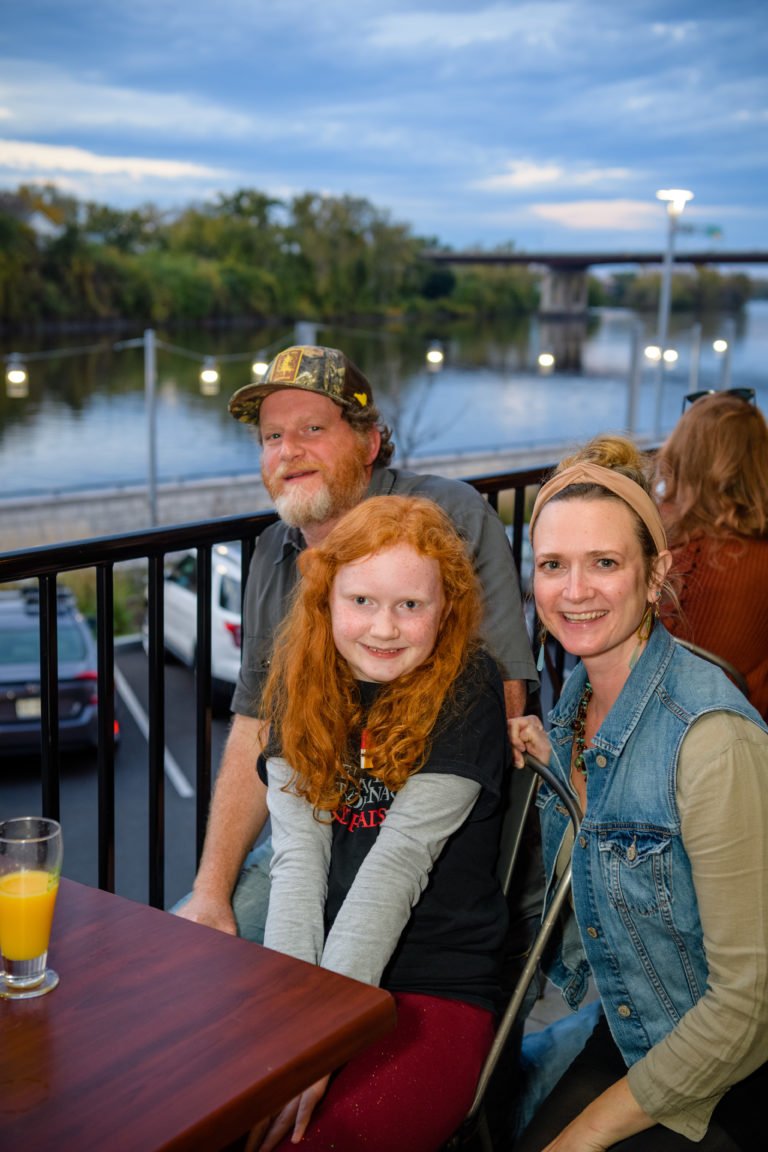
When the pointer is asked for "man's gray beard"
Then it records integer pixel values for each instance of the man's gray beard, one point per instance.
(299, 509)
(304, 509)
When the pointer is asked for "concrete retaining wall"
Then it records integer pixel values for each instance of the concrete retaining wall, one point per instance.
(60, 517)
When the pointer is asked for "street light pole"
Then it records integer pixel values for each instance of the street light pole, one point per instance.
(149, 344)
(676, 200)
(150, 383)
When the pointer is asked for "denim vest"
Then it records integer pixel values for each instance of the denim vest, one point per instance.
(638, 928)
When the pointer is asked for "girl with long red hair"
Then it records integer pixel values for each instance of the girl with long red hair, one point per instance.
(385, 763)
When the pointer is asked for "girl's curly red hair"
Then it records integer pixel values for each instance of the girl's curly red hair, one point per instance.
(311, 699)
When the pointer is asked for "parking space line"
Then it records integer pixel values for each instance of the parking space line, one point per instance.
(172, 769)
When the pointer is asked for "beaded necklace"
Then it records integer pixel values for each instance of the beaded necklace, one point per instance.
(578, 728)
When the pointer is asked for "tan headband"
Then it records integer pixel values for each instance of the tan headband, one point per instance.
(628, 490)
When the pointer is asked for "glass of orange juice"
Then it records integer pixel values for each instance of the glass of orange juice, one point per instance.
(30, 867)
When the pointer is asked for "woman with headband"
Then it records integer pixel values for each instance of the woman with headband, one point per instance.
(669, 763)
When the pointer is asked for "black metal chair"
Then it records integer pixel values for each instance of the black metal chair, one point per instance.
(475, 1130)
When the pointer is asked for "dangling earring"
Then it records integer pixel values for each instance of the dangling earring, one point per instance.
(646, 624)
(542, 649)
(650, 615)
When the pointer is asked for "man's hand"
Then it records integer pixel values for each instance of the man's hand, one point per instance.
(238, 814)
(213, 913)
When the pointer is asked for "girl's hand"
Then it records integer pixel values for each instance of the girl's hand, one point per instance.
(296, 1114)
(526, 734)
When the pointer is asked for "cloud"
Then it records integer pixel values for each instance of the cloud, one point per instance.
(30, 91)
(600, 215)
(529, 24)
(523, 174)
(677, 32)
(20, 154)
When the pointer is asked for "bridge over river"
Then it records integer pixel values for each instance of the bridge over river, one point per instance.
(564, 281)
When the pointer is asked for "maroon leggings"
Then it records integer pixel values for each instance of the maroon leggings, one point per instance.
(411, 1090)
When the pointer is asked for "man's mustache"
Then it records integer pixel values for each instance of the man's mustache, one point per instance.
(284, 471)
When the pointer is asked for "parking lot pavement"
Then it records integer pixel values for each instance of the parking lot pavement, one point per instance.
(21, 792)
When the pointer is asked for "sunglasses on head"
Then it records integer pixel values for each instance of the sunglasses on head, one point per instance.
(747, 394)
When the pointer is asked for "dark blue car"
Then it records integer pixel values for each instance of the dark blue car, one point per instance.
(20, 674)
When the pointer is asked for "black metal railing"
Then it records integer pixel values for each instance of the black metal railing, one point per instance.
(47, 563)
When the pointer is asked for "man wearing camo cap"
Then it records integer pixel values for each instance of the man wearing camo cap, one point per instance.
(324, 449)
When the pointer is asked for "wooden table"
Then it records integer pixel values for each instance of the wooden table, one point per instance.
(164, 1034)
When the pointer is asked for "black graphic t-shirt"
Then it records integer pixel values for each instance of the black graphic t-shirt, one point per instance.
(451, 944)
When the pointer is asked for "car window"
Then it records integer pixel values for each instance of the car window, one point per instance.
(22, 645)
(185, 573)
(229, 594)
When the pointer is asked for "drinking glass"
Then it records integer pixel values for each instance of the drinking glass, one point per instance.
(30, 867)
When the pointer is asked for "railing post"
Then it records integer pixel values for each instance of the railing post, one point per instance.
(150, 399)
(105, 645)
(49, 695)
(156, 798)
(203, 691)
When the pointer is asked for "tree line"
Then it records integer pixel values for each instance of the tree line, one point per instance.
(251, 257)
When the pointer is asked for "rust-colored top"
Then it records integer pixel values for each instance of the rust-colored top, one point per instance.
(722, 584)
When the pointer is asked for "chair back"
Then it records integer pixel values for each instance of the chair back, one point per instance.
(475, 1127)
(731, 672)
(518, 801)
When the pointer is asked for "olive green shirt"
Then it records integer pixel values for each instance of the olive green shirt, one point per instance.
(722, 797)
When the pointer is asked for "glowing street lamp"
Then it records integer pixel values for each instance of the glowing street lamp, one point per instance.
(545, 361)
(16, 378)
(435, 356)
(723, 348)
(209, 377)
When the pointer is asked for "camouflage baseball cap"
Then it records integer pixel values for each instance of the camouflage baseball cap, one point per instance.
(311, 369)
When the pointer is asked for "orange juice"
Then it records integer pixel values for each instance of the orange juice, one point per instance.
(26, 911)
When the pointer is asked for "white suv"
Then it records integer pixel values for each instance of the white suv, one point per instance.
(226, 628)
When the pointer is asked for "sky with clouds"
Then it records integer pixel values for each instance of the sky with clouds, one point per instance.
(547, 124)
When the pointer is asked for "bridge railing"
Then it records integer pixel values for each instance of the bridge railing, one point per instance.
(46, 564)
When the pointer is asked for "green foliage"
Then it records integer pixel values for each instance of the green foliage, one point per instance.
(494, 290)
(129, 584)
(702, 290)
(19, 276)
(248, 256)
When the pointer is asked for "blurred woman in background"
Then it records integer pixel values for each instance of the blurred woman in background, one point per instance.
(712, 484)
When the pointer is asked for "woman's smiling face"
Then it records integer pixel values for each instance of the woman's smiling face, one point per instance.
(590, 576)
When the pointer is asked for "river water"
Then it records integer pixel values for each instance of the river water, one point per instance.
(85, 421)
